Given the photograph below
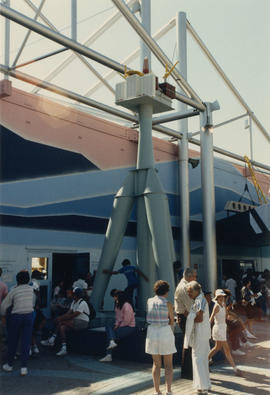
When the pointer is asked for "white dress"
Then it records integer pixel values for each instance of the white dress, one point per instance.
(219, 331)
(201, 347)
(160, 339)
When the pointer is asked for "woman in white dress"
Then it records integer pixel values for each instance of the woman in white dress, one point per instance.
(219, 330)
(160, 341)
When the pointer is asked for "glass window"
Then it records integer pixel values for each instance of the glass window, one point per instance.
(40, 267)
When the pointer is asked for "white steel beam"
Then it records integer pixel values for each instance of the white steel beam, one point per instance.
(27, 34)
(74, 20)
(66, 93)
(41, 15)
(226, 80)
(60, 38)
(182, 126)
(121, 114)
(174, 117)
(160, 33)
(77, 47)
(89, 41)
(7, 40)
(157, 51)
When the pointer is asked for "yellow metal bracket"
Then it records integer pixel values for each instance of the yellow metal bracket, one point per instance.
(257, 186)
(169, 71)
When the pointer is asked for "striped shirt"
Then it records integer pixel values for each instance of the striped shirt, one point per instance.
(21, 298)
(157, 311)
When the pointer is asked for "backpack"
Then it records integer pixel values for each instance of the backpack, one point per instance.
(92, 311)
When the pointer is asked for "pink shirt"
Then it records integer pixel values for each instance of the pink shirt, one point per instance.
(125, 316)
(3, 291)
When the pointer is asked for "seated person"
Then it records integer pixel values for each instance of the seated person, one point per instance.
(61, 302)
(124, 323)
(76, 318)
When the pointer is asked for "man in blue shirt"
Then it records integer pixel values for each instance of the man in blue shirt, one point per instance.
(131, 273)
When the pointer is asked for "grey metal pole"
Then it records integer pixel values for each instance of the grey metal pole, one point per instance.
(7, 40)
(251, 138)
(175, 116)
(27, 35)
(74, 20)
(226, 80)
(208, 199)
(145, 12)
(111, 110)
(157, 51)
(145, 156)
(183, 146)
(60, 38)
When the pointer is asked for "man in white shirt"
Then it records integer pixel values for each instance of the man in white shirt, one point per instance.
(76, 318)
(231, 284)
(182, 306)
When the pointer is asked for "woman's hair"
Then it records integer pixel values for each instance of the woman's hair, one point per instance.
(161, 287)
(246, 280)
(121, 299)
(195, 286)
(23, 277)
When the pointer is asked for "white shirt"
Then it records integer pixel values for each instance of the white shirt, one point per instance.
(182, 302)
(231, 285)
(82, 307)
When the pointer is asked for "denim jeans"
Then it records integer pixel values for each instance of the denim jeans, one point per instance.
(20, 327)
(119, 333)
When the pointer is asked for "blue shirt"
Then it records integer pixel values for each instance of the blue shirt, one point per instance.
(130, 273)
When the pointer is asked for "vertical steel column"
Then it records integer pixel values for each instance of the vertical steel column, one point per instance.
(251, 138)
(145, 160)
(7, 40)
(183, 145)
(145, 11)
(74, 20)
(145, 156)
(208, 198)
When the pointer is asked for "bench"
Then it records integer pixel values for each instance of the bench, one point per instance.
(92, 341)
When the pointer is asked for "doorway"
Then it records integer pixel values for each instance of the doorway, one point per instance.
(69, 267)
(41, 267)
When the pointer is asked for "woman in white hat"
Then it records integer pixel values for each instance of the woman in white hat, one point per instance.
(219, 330)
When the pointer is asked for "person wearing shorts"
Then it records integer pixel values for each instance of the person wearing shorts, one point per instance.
(76, 318)
(219, 330)
(160, 341)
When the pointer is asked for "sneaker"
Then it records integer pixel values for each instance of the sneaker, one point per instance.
(238, 373)
(249, 344)
(35, 349)
(111, 345)
(24, 371)
(62, 352)
(107, 358)
(249, 335)
(7, 368)
(47, 343)
(238, 353)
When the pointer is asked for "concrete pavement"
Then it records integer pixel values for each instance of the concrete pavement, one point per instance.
(84, 375)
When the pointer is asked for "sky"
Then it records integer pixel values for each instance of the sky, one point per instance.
(237, 33)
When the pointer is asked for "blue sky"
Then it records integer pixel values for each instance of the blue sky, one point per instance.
(237, 32)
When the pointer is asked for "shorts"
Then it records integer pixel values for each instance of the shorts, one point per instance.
(79, 324)
(251, 311)
(160, 340)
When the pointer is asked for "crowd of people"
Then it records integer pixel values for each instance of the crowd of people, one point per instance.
(222, 320)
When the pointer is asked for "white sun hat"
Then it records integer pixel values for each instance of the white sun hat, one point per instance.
(219, 292)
